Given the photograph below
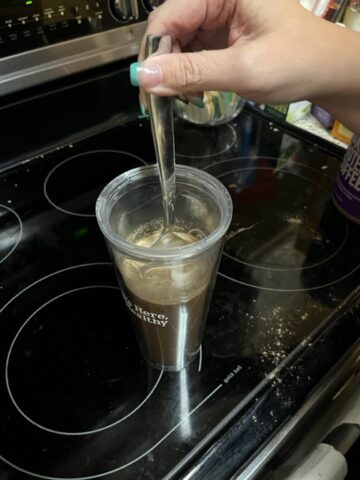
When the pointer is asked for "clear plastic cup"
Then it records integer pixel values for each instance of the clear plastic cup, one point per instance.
(167, 286)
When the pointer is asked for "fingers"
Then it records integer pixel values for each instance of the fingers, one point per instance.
(180, 18)
(183, 73)
(193, 25)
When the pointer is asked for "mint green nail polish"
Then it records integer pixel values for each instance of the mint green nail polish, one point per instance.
(134, 76)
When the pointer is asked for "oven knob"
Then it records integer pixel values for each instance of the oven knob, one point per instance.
(125, 10)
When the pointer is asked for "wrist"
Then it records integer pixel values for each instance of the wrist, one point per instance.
(334, 65)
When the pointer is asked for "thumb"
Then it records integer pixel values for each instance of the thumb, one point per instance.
(176, 73)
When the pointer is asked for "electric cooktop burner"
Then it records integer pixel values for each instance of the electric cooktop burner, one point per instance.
(77, 400)
(40, 367)
(203, 142)
(286, 235)
(77, 178)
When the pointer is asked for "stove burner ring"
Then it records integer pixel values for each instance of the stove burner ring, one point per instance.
(231, 131)
(124, 466)
(19, 234)
(64, 162)
(310, 289)
(59, 432)
(285, 269)
(340, 246)
(129, 462)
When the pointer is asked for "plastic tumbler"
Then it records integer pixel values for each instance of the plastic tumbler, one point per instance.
(166, 279)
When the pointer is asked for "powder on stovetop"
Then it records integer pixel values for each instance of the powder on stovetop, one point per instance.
(278, 332)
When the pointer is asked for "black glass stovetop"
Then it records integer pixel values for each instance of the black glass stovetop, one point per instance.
(77, 400)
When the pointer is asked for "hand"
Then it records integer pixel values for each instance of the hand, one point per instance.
(267, 51)
(255, 48)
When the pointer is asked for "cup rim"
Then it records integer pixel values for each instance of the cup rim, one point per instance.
(199, 177)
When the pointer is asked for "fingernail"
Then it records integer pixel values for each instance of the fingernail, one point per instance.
(145, 74)
(134, 79)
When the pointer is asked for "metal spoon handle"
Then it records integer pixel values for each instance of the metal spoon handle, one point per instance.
(162, 127)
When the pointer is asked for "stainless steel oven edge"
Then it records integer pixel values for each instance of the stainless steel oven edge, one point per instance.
(346, 371)
(55, 61)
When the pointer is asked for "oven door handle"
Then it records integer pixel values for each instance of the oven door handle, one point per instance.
(327, 460)
(343, 437)
(323, 462)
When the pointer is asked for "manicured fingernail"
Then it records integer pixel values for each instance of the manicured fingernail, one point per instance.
(145, 74)
(134, 78)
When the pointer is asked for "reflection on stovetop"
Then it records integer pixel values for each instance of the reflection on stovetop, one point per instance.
(77, 400)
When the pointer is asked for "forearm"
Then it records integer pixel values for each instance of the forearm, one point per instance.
(337, 75)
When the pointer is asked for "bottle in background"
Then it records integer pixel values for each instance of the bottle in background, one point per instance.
(346, 192)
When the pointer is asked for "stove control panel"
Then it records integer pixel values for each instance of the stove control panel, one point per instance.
(30, 24)
(42, 40)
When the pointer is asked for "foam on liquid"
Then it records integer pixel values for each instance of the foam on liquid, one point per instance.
(152, 234)
(165, 283)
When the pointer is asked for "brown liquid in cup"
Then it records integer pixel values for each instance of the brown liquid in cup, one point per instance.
(168, 302)
(168, 335)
